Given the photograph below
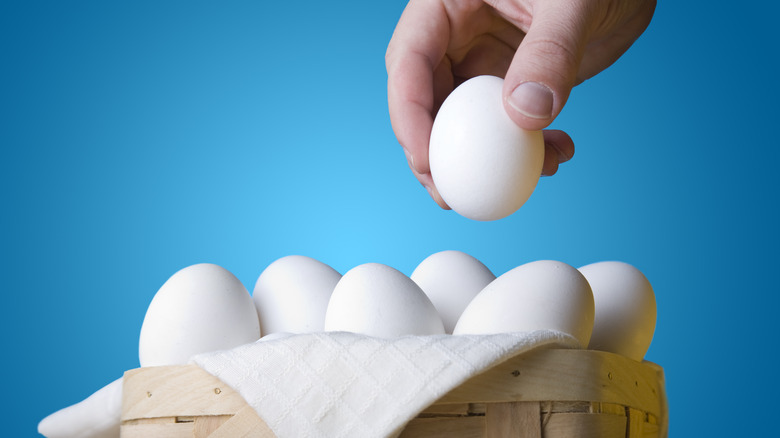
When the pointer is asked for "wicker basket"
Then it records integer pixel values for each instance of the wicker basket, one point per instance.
(546, 393)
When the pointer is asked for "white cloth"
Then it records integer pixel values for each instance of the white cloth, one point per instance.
(97, 416)
(328, 384)
(347, 385)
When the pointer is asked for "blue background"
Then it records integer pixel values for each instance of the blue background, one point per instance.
(141, 137)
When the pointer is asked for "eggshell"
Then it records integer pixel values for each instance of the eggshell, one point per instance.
(376, 300)
(292, 294)
(201, 308)
(544, 294)
(625, 309)
(451, 279)
(484, 166)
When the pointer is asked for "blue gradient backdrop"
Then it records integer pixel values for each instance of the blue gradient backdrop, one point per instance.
(141, 137)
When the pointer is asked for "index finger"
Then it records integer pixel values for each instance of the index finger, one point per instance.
(417, 46)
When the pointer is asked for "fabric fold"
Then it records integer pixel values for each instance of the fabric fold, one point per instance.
(341, 384)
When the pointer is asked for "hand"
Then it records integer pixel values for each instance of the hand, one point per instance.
(543, 48)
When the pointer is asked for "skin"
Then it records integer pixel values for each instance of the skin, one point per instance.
(552, 45)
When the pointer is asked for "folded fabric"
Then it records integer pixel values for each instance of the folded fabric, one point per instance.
(328, 384)
(347, 385)
(97, 416)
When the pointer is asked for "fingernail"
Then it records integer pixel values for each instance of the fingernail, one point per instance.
(533, 100)
(436, 196)
(410, 159)
(563, 157)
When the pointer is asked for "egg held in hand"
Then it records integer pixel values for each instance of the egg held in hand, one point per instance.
(376, 300)
(292, 294)
(451, 279)
(201, 308)
(625, 309)
(485, 167)
(544, 294)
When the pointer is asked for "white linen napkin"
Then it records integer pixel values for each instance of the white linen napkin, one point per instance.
(97, 416)
(345, 385)
(328, 384)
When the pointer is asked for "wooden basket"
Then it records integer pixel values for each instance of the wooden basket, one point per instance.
(545, 393)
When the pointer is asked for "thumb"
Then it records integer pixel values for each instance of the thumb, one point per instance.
(544, 68)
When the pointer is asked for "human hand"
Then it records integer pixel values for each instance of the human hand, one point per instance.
(542, 48)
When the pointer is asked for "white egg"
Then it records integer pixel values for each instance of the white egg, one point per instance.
(292, 294)
(451, 279)
(201, 308)
(484, 166)
(625, 309)
(544, 294)
(376, 300)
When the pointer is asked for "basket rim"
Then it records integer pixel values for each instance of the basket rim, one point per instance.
(545, 374)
